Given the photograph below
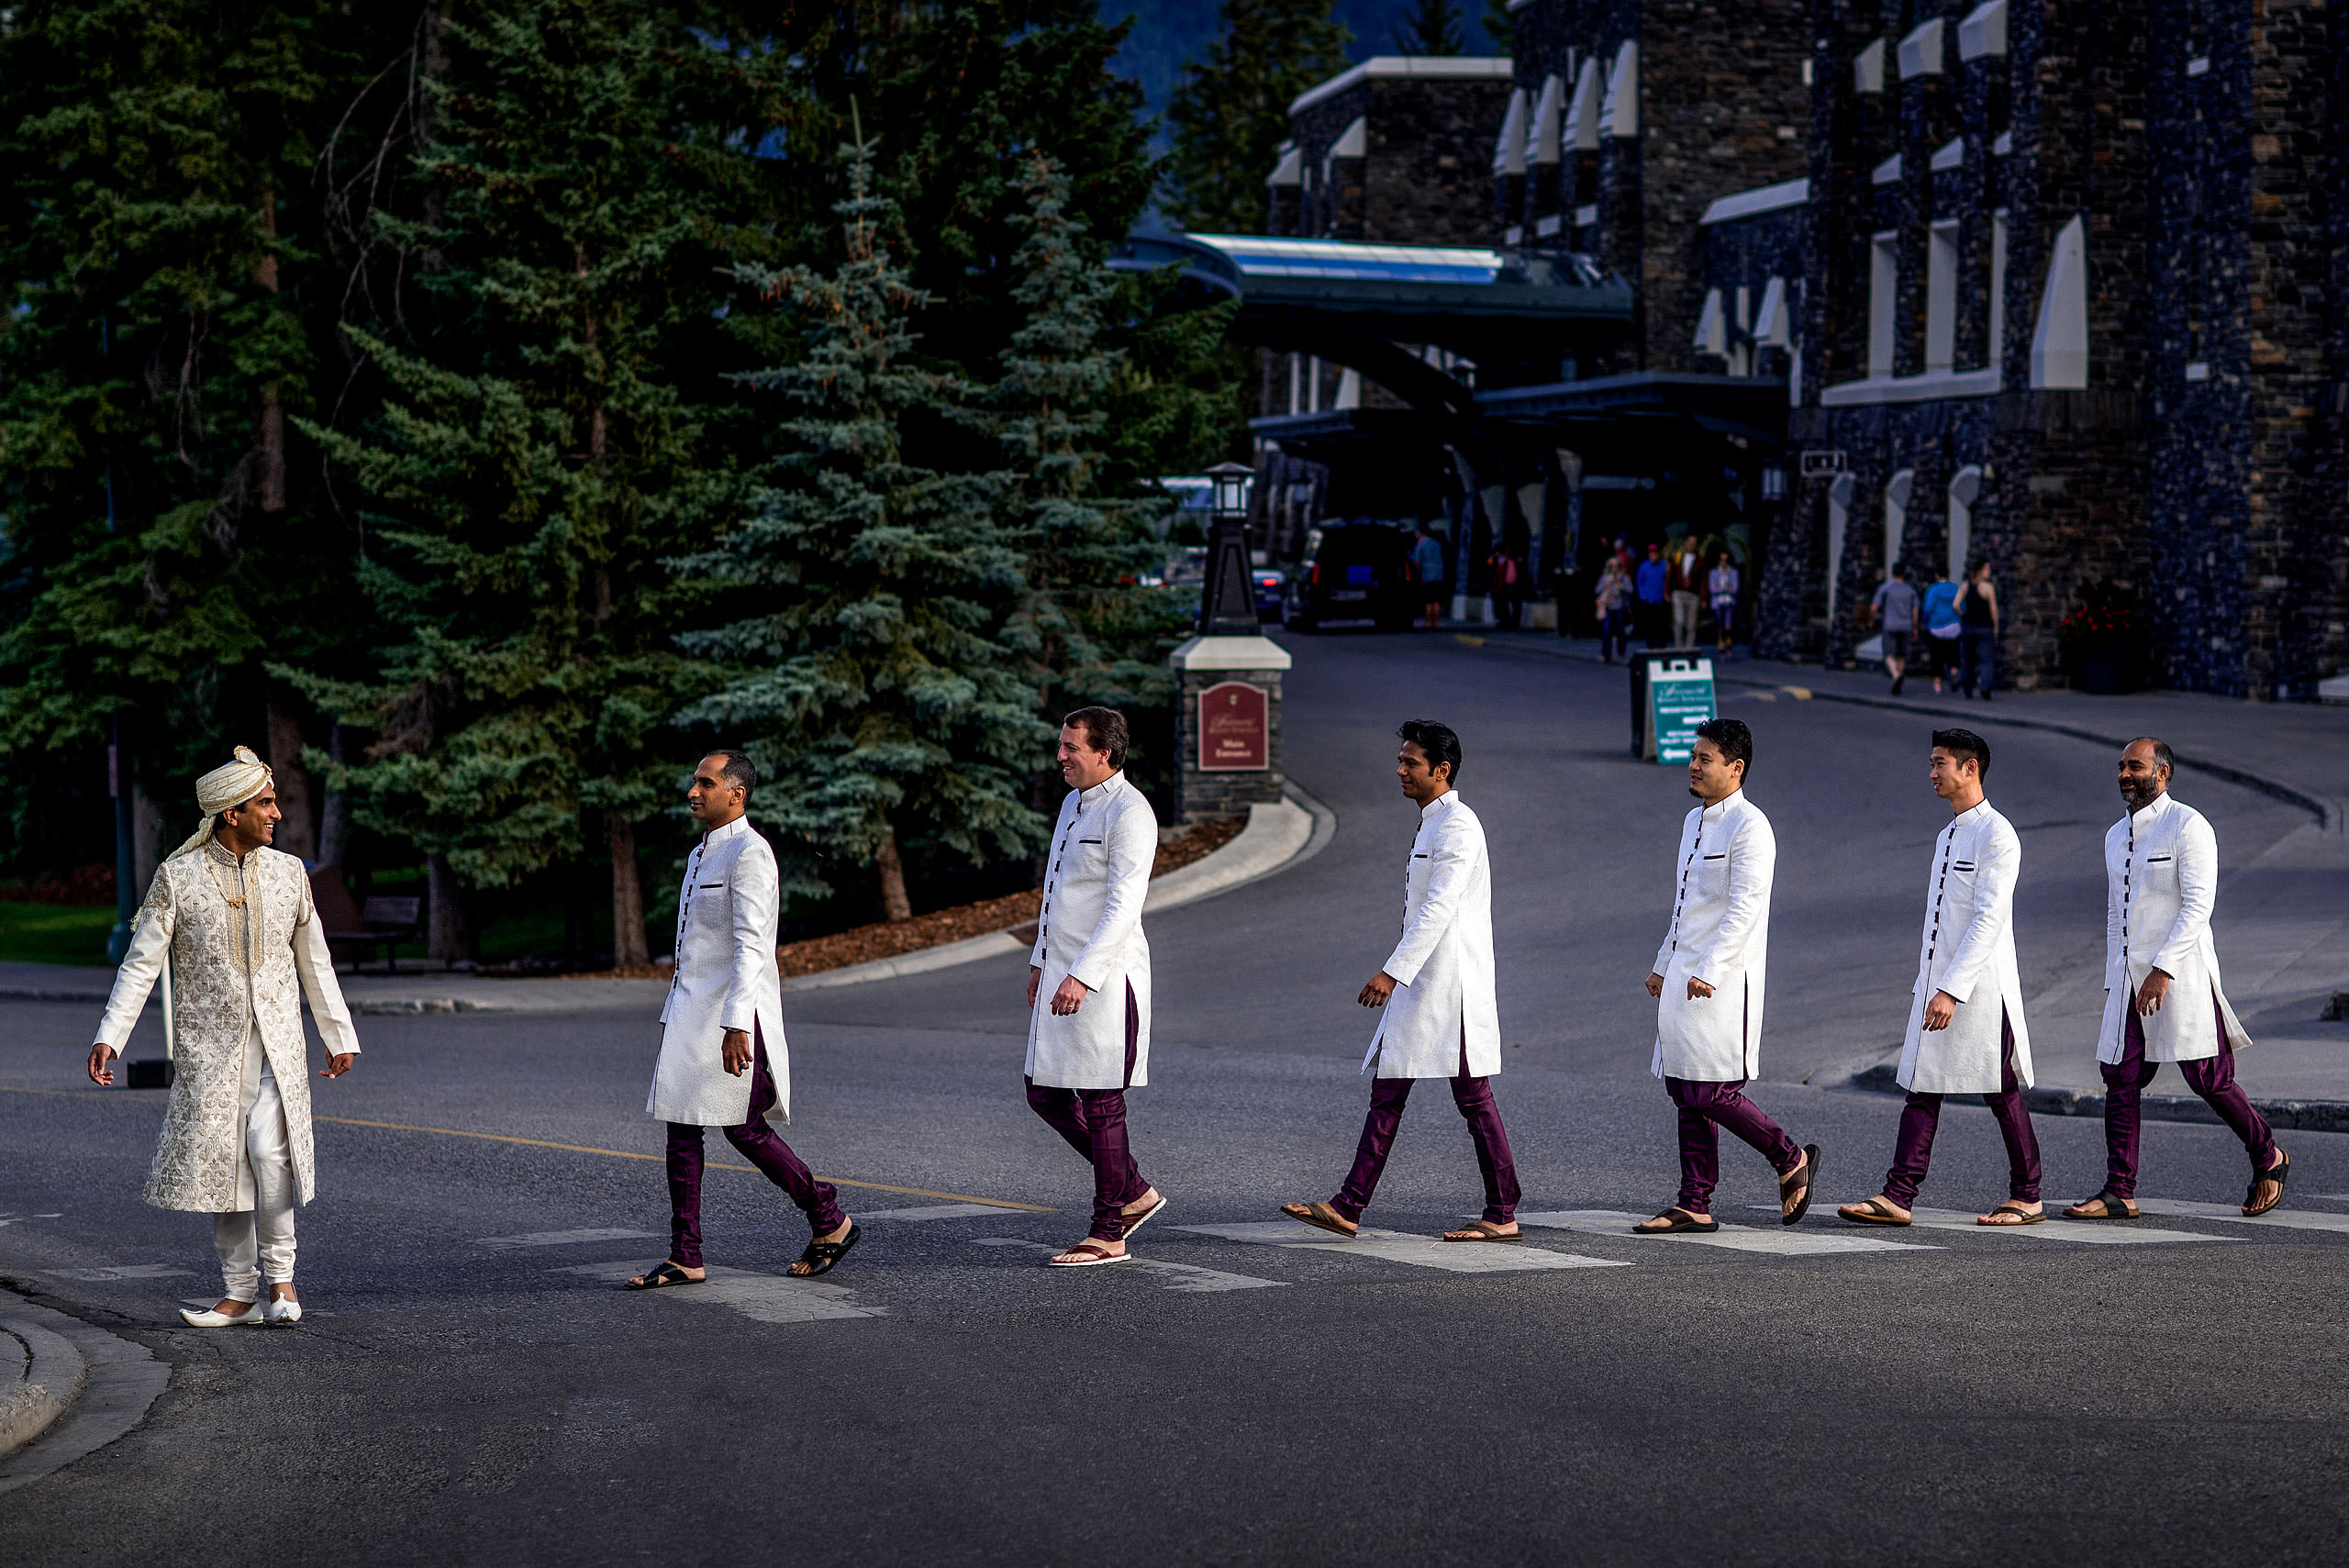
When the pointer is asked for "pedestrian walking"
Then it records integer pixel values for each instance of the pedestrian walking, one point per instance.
(1427, 567)
(1722, 585)
(2162, 997)
(1649, 583)
(1436, 987)
(1508, 587)
(234, 919)
(1708, 981)
(1088, 979)
(1939, 615)
(1687, 583)
(1977, 615)
(1896, 614)
(1612, 605)
(723, 1061)
(1966, 1032)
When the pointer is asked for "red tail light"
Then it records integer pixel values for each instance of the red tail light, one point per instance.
(1313, 579)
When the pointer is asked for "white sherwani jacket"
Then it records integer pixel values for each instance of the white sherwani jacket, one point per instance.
(1721, 935)
(2161, 869)
(1090, 927)
(726, 979)
(1442, 967)
(1968, 951)
(215, 1004)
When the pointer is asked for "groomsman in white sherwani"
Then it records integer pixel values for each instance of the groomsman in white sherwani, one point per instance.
(1437, 989)
(724, 1062)
(2163, 1000)
(1709, 979)
(1967, 1033)
(1088, 979)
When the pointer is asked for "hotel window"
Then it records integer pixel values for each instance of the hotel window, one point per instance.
(1884, 301)
(1941, 297)
(1997, 354)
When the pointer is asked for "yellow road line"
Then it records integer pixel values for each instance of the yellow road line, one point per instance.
(589, 1149)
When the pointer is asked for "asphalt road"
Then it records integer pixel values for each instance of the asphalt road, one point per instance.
(1947, 1395)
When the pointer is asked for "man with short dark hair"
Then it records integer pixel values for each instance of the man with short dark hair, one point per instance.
(1966, 1032)
(1436, 987)
(723, 1061)
(1707, 980)
(1896, 614)
(2163, 1000)
(1086, 1049)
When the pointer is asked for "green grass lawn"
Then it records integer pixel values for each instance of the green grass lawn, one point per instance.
(54, 933)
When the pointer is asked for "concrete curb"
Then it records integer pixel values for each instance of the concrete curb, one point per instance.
(2329, 813)
(2299, 1115)
(1279, 836)
(53, 1376)
(117, 1383)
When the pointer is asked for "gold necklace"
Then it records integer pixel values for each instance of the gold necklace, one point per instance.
(252, 953)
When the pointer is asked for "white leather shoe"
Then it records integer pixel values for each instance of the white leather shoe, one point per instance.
(208, 1318)
(283, 1312)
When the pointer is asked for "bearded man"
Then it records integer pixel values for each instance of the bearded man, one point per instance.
(235, 918)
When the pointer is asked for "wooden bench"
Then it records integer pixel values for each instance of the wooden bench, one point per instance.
(382, 922)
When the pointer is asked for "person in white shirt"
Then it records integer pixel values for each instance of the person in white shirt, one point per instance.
(1709, 979)
(723, 1061)
(2163, 1001)
(1967, 1033)
(1436, 987)
(235, 920)
(1088, 979)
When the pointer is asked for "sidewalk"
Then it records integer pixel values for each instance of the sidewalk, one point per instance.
(2283, 926)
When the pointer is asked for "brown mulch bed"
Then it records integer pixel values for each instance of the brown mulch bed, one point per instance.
(1013, 912)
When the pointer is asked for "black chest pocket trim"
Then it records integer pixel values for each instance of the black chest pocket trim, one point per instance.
(2157, 860)
(1723, 856)
(709, 884)
(1089, 841)
(1961, 865)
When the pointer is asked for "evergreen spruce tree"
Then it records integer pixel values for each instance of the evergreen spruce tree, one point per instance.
(1500, 25)
(1434, 28)
(160, 295)
(1086, 631)
(865, 665)
(536, 460)
(1231, 113)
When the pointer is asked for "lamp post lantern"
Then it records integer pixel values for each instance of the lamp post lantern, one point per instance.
(1228, 681)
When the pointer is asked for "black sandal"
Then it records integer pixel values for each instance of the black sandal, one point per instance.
(2114, 1209)
(661, 1278)
(822, 1256)
(2252, 1208)
(1676, 1218)
(1809, 1175)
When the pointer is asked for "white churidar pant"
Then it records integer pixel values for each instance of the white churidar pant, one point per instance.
(257, 1239)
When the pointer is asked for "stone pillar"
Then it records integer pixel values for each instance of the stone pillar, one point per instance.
(1203, 667)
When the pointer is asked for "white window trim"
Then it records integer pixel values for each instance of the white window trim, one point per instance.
(1940, 297)
(1997, 352)
(1509, 148)
(1712, 326)
(1896, 492)
(1353, 142)
(1349, 389)
(1884, 301)
(1623, 108)
(1920, 51)
(1867, 69)
(1772, 327)
(1950, 154)
(1290, 170)
(1581, 116)
(1541, 143)
(1965, 488)
(2059, 344)
(1887, 172)
(1983, 31)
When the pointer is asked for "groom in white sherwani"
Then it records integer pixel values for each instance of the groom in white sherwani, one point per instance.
(1439, 1017)
(723, 1061)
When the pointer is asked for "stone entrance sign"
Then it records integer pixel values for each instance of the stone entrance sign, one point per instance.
(1235, 728)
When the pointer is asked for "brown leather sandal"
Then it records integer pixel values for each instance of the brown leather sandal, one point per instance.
(1322, 1216)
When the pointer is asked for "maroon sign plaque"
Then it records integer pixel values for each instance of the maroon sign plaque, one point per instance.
(1235, 728)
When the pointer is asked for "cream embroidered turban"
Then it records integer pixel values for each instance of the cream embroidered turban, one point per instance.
(222, 788)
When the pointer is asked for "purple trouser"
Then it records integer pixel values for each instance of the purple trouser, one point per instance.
(2214, 1078)
(1704, 1103)
(1094, 1123)
(757, 1143)
(1912, 1150)
(1474, 1098)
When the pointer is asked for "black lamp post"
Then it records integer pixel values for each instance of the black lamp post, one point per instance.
(1228, 602)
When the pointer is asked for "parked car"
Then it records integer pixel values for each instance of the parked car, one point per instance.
(1272, 590)
(1188, 568)
(1359, 572)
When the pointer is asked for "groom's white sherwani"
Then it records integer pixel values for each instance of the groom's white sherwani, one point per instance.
(1442, 965)
(1721, 935)
(726, 979)
(1090, 927)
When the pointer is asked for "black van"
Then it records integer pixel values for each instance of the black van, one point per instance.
(1359, 572)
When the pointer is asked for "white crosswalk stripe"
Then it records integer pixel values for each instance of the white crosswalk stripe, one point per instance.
(932, 1211)
(2280, 1218)
(2057, 1230)
(561, 1238)
(121, 1271)
(1180, 1276)
(764, 1298)
(1798, 1242)
(1396, 1247)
